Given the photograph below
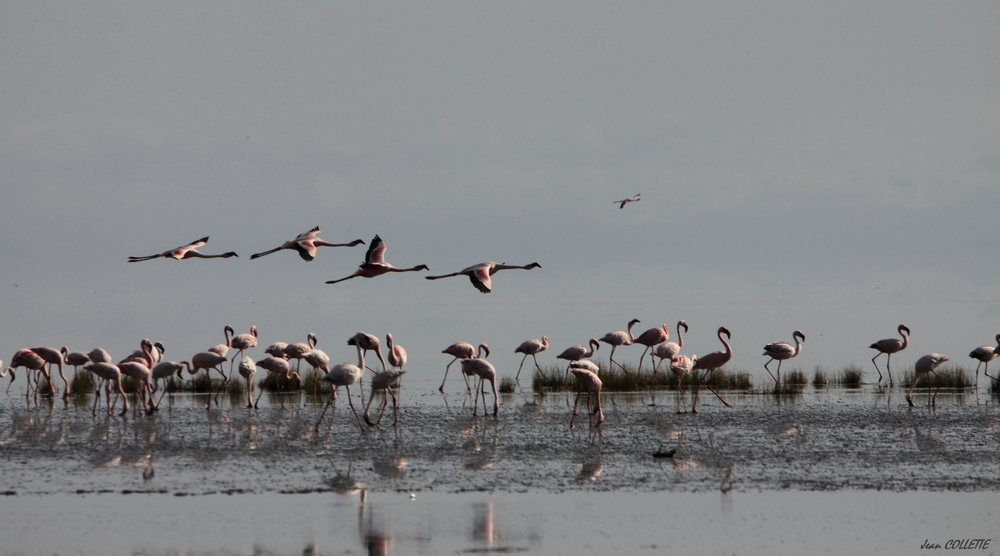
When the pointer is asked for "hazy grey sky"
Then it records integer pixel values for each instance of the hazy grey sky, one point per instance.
(829, 167)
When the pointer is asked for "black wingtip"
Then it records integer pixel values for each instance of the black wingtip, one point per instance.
(205, 239)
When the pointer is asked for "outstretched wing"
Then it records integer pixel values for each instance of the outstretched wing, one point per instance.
(376, 251)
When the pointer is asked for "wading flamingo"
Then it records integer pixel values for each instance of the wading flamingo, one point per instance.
(985, 354)
(396, 355)
(375, 264)
(320, 362)
(140, 372)
(279, 367)
(576, 353)
(75, 359)
(652, 338)
(344, 374)
(485, 371)
(53, 356)
(532, 348)
(622, 202)
(480, 274)
(247, 369)
(367, 342)
(298, 350)
(208, 360)
(681, 365)
(667, 350)
(924, 365)
(306, 244)
(383, 381)
(223, 348)
(587, 381)
(31, 361)
(888, 347)
(277, 349)
(110, 373)
(99, 355)
(620, 338)
(782, 351)
(709, 363)
(462, 350)
(185, 252)
(166, 369)
(240, 343)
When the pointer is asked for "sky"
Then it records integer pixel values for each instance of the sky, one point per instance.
(832, 168)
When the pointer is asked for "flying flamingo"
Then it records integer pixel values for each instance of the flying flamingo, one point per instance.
(589, 382)
(375, 264)
(924, 365)
(367, 342)
(383, 381)
(711, 362)
(620, 338)
(344, 375)
(633, 199)
(462, 350)
(681, 365)
(480, 274)
(241, 342)
(298, 350)
(306, 244)
(185, 252)
(888, 347)
(782, 351)
(531, 347)
(485, 371)
(396, 355)
(576, 353)
(985, 354)
(208, 360)
(111, 373)
(279, 367)
(53, 356)
(667, 350)
(652, 338)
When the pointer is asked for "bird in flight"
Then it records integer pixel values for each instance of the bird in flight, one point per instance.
(480, 274)
(623, 202)
(306, 244)
(188, 251)
(375, 264)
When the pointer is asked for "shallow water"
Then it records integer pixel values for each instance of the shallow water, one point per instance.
(540, 475)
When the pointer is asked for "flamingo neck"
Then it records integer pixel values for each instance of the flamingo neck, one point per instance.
(680, 339)
(729, 350)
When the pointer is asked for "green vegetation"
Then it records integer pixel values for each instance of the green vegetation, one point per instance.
(313, 382)
(82, 383)
(820, 379)
(850, 377)
(279, 383)
(550, 378)
(507, 385)
(944, 377)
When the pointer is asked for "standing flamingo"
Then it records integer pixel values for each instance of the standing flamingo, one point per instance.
(709, 363)
(651, 338)
(99, 355)
(396, 355)
(344, 374)
(110, 373)
(480, 274)
(53, 356)
(140, 372)
(462, 350)
(242, 342)
(247, 369)
(367, 342)
(185, 252)
(589, 382)
(888, 347)
(667, 350)
(75, 359)
(306, 244)
(208, 360)
(31, 361)
(532, 348)
(681, 365)
(279, 367)
(985, 354)
(924, 365)
(485, 371)
(223, 348)
(375, 264)
(277, 349)
(167, 369)
(320, 362)
(619, 338)
(383, 381)
(298, 350)
(782, 351)
(576, 353)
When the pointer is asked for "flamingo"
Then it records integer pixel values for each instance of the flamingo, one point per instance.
(622, 202)
(306, 244)
(985, 354)
(576, 353)
(166, 369)
(76, 359)
(53, 356)
(109, 372)
(711, 362)
(589, 382)
(140, 371)
(485, 371)
(620, 338)
(31, 361)
(298, 350)
(888, 347)
(367, 342)
(396, 355)
(344, 374)
(223, 348)
(375, 264)
(208, 360)
(4, 375)
(480, 274)
(247, 369)
(651, 338)
(531, 347)
(924, 365)
(384, 381)
(667, 350)
(241, 342)
(681, 365)
(462, 350)
(185, 252)
(277, 366)
(319, 361)
(782, 351)
(277, 349)
(99, 355)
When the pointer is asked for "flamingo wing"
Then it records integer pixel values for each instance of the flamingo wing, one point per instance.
(480, 277)
(779, 350)
(376, 251)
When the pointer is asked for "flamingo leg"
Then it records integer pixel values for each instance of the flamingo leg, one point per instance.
(574, 408)
(521, 365)
(348, 388)
(888, 371)
(325, 407)
(537, 366)
(441, 388)
(769, 370)
(876, 366)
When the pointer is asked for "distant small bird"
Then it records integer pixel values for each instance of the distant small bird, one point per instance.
(480, 274)
(306, 244)
(633, 199)
(924, 365)
(185, 252)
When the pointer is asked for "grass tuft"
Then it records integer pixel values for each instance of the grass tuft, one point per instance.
(507, 385)
(82, 383)
(278, 383)
(945, 377)
(550, 378)
(850, 377)
(313, 382)
(820, 379)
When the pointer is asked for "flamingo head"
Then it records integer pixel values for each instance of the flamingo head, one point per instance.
(160, 348)
(685, 325)
(903, 327)
(724, 330)
(798, 334)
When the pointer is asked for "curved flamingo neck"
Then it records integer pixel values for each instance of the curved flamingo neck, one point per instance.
(680, 339)
(361, 358)
(906, 339)
(229, 337)
(798, 346)
(729, 350)
(593, 346)
(631, 338)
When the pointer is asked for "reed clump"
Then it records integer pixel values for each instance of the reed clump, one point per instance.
(944, 377)
(279, 383)
(820, 378)
(551, 378)
(82, 383)
(850, 377)
(507, 385)
(313, 382)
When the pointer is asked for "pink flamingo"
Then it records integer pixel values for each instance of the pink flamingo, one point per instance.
(985, 354)
(782, 351)
(344, 374)
(110, 373)
(279, 367)
(75, 359)
(223, 349)
(480, 274)
(396, 355)
(462, 350)
(185, 252)
(247, 369)
(622, 202)
(383, 381)
(888, 347)
(619, 338)
(532, 348)
(681, 365)
(320, 362)
(588, 381)
(31, 361)
(924, 365)
(709, 363)
(139, 370)
(576, 353)
(668, 350)
(375, 264)
(651, 338)
(367, 342)
(298, 350)
(240, 343)
(99, 355)
(306, 244)
(53, 356)
(208, 360)
(277, 349)
(485, 371)
(167, 369)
